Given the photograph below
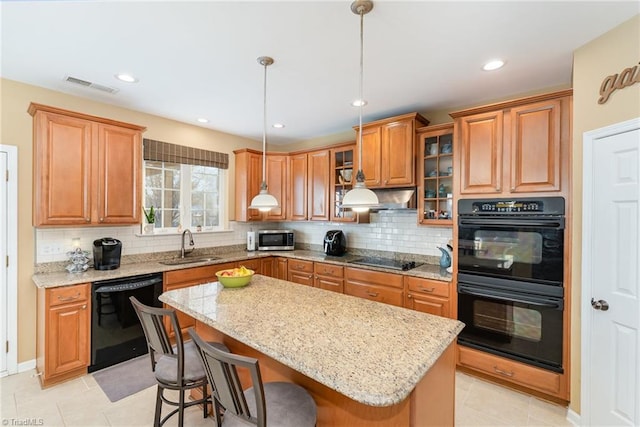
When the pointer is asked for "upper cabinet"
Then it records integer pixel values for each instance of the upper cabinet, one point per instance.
(248, 175)
(515, 147)
(388, 151)
(435, 172)
(87, 170)
(309, 185)
(343, 175)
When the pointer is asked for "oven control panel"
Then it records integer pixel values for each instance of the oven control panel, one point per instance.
(508, 206)
(522, 206)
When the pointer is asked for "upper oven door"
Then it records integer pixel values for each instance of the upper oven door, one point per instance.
(528, 249)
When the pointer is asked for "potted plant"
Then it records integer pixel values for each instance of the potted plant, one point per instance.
(150, 216)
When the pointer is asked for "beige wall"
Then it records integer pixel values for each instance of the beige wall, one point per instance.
(15, 124)
(609, 54)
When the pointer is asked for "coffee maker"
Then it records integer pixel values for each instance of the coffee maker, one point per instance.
(106, 253)
(335, 243)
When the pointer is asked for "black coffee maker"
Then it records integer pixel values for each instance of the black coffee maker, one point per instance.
(335, 243)
(106, 253)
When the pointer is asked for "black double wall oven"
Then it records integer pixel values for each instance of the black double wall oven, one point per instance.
(510, 278)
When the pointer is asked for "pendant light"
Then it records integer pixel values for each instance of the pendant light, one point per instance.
(264, 201)
(360, 198)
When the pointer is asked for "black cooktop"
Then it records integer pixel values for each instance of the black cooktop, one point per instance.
(386, 263)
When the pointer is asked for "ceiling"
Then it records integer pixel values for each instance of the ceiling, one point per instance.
(199, 59)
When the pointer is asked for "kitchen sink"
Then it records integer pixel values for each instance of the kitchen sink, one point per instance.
(188, 260)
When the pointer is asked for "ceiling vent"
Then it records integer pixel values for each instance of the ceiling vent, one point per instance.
(92, 85)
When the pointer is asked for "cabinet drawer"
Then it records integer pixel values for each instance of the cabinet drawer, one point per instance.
(509, 370)
(301, 278)
(373, 277)
(68, 294)
(330, 270)
(329, 284)
(428, 287)
(299, 265)
(383, 294)
(192, 274)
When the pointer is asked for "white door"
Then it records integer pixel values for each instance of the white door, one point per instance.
(4, 280)
(8, 252)
(611, 264)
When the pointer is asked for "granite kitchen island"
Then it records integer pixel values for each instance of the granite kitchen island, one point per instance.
(365, 363)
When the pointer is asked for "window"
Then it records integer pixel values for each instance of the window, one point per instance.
(185, 185)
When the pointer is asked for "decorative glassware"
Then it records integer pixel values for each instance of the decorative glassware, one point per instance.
(79, 261)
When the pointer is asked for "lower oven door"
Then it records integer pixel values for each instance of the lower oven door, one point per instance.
(516, 325)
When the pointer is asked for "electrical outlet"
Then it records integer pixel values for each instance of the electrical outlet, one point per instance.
(45, 249)
(56, 248)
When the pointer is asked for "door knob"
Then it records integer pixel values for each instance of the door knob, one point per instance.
(600, 304)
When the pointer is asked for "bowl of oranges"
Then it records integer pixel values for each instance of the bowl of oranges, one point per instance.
(235, 277)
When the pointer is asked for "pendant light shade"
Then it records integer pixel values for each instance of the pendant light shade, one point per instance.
(264, 201)
(360, 198)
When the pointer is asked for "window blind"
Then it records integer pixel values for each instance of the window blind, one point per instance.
(165, 152)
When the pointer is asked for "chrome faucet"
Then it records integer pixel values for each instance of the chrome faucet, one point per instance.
(182, 251)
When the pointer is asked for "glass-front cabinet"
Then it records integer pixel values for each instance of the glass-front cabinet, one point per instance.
(343, 174)
(435, 172)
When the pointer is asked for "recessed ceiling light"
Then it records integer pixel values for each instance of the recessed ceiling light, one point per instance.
(278, 125)
(124, 77)
(358, 102)
(493, 65)
(203, 120)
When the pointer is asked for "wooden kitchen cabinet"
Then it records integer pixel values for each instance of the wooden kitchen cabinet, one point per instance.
(374, 285)
(300, 271)
(329, 277)
(309, 185)
(515, 147)
(268, 266)
(388, 151)
(513, 372)
(427, 296)
(254, 264)
(248, 176)
(63, 346)
(282, 270)
(435, 172)
(87, 170)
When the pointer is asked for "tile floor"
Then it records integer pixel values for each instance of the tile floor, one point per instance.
(81, 402)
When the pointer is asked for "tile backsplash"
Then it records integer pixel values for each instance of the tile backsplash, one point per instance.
(389, 231)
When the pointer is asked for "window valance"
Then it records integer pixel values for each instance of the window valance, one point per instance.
(165, 152)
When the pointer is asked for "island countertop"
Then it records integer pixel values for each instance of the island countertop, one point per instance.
(371, 352)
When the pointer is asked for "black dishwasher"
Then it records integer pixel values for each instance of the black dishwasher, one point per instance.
(116, 333)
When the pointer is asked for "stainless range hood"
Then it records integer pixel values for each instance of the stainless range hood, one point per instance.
(395, 198)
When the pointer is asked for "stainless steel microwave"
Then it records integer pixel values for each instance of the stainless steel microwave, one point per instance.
(276, 240)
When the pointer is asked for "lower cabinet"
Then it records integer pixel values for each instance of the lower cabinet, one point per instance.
(329, 277)
(252, 264)
(282, 269)
(374, 285)
(300, 271)
(427, 296)
(63, 339)
(541, 380)
(268, 267)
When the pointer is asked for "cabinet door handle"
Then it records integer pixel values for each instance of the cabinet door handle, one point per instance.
(501, 372)
(87, 219)
(428, 290)
(372, 294)
(84, 307)
(101, 219)
(497, 188)
(409, 296)
(71, 298)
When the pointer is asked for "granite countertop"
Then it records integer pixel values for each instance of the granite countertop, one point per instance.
(371, 352)
(63, 278)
